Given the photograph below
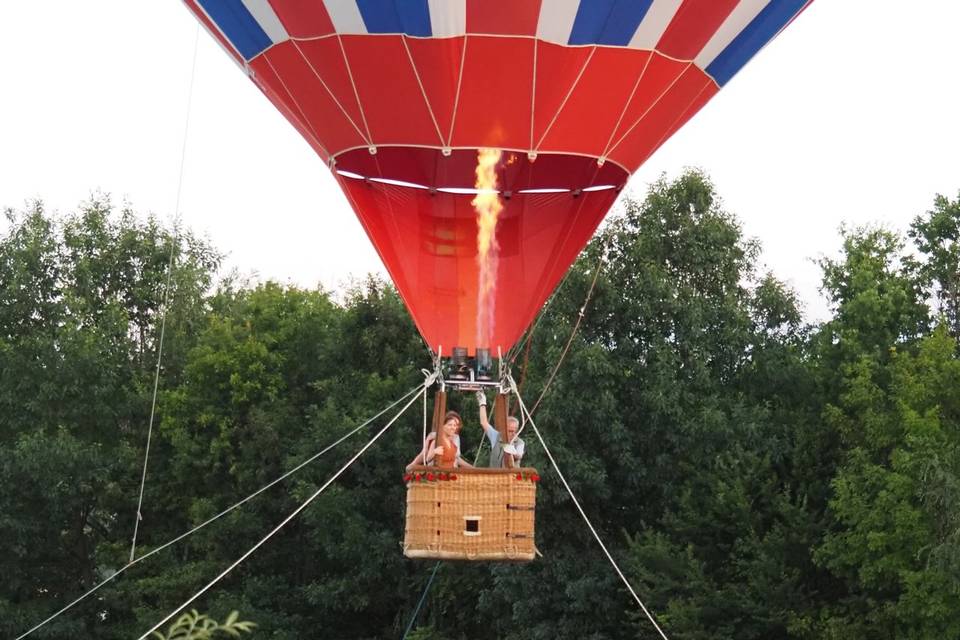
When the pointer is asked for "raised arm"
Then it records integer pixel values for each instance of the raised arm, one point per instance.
(484, 420)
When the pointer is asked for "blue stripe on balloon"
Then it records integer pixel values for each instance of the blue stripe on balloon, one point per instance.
(240, 28)
(380, 16)
(396, 16)
(759, 32)
(591, 17)
(609, 22)
(415, 15)
(624, 19)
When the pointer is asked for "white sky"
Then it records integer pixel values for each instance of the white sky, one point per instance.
(851, 115)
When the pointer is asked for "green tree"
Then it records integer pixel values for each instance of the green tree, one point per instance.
(882, 373)
(80, 298)
(753, 476)
(876, 291)
(895, 496)
(936, 235)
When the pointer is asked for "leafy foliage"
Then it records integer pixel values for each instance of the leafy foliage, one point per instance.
(754, 476)
(197, 626)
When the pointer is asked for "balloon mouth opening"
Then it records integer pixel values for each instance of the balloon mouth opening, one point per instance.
(452, 172)
(472, 191)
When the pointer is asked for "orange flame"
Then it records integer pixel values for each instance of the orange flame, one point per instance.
(488, 207)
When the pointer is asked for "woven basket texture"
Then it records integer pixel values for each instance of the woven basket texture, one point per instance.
(485, 514)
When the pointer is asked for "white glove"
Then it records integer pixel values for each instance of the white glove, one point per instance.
(481, 398)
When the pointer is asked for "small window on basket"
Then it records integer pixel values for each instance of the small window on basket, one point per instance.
(471, 525)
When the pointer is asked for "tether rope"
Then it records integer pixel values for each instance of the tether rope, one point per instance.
(576, 326)
(515, 350)
(166, 294)
(566, 348)
(583, 514)
(423, 597)
(285, 521)
(210, 520)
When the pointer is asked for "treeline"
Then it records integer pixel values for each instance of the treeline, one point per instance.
(756, 476)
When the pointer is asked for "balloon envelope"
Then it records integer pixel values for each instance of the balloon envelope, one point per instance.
(398, 95)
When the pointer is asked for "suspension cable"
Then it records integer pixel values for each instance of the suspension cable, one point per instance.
(285, 521)
(166, 295)
(212, 519)
(523, 410)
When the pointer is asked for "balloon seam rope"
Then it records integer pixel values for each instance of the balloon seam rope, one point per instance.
(513, 355)
(456, 99)
(669, 130)
(394, 218)
(570, 227)
(373, 239)
(334, 98)
(626, 133)
(303, 115)
(356, 94)
(423, 92)
(626, 105)
(566, 347)
(284, 522)
(567, 97)
(533, 91)
(212, 519)
(586, 519)
(166, 292)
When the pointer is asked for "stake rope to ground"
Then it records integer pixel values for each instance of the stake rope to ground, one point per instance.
(566, 349)
(423, 597)
(533, 425)
(576, 326)
(212, 519)
(286, 520)
(166, 295)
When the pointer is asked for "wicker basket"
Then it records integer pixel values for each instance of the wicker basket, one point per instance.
(471, 514)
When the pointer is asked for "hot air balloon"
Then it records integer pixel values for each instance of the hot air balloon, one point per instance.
(480, 143)
(398, 96)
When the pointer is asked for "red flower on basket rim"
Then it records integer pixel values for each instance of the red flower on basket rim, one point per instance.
(534, 478)
(430, 477)
(418, 477)
(443, 476)
(407, 477)
(519, 476)
(453, 476)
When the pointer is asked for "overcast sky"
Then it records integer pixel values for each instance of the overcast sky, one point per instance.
(850, 116)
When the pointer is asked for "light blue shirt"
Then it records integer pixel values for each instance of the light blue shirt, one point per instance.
(496, 449)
